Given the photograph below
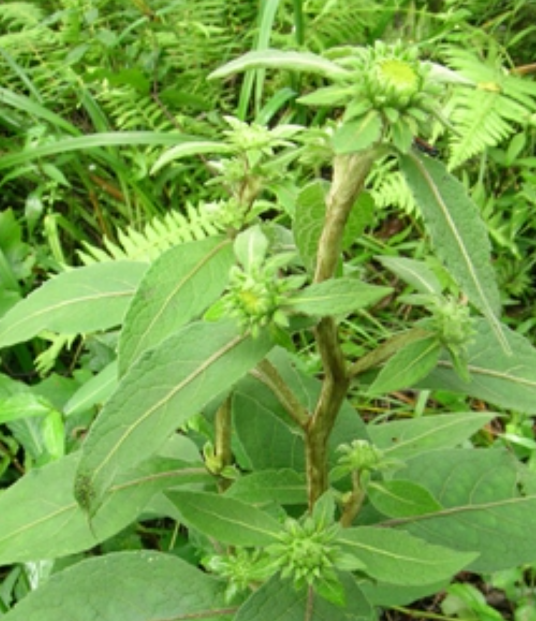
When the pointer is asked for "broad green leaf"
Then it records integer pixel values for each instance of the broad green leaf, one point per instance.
(176, 288)
(250, 248)
(335, 297)
(187, 149)
(484, 507)
(404, 438)
(226, 519)
(358, 134)
(309, 220)
(285, 487)
(401, 498)
(386, 595)
(400, 558)
(458, 233)
(161, 391)
(410, 364)
(95, 391)
(277, 59)
(126, 586)
(361, 216)
(278, 600)
(85, 299)
(39, 517)
(415, 273)
(506, 381)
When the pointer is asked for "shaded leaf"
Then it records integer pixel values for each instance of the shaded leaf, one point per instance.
(226, 519)
(161, 391)
(281, 486)
(496, 377)
(484, 507)
(85, 299)
(309, 220)
(401, 498)
(176, 288)
(126, 586)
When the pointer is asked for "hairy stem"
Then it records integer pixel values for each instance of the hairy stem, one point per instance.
(349, 174)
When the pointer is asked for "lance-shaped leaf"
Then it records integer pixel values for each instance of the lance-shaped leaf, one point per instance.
(228, 520)
(405, 438)
(177, 288)
(278, 59)
(285, 487)
(399, 558)
(186, 149)
(127, 586)
(458, 233)
(415, 273)
(407, 366)
(161, 391)
(485, 505)
(336, 297)
(358, 134)
(39, 517)
(506, 381)
(93, 392)
(82, 300)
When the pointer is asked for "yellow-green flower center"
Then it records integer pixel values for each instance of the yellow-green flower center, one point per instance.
(399, 75)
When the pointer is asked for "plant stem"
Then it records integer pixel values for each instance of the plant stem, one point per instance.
(349, 174)
(222, 439)
(266, 373)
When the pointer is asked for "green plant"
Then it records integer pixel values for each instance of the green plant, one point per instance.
(295, 507)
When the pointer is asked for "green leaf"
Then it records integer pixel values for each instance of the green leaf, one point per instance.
(335, 297)
(250, 248)
(458, 233)
(177, 288)
(404, 438)
(357, 135)
(93, 392)
(410, 364)
(401, 498)
(277, 59)
(334, 95)
(187, 149)
(399, 558)
(126, 586)
(496, 377)
(361, 216)
(484, 507)
(82, 300)
(309, 220)
(161, 391)
(22, 405)
(285, 487)
(39, 517)
(387, 595)
(415, 273)
(225, 519)
(277, 600)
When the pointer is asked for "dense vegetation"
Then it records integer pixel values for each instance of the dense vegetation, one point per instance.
(266, 310)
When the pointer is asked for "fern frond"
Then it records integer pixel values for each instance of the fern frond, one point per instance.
(489, 114)
(158, 235)
(389, 189)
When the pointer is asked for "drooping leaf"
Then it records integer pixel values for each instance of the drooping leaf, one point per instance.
(39, 517)
(496, 377)
(405, 438)
(127, 586)
(176, 288)
(82, 300)
(277, 599)
(358, 134)
(407, 366)
(335, 297)
(285, 487)
(399, 558)
(226, 519)
(458, 233)
(484, 507)
(161, 391)
(401, 498)
(186, 149)
(415, 273)
(278, 59)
